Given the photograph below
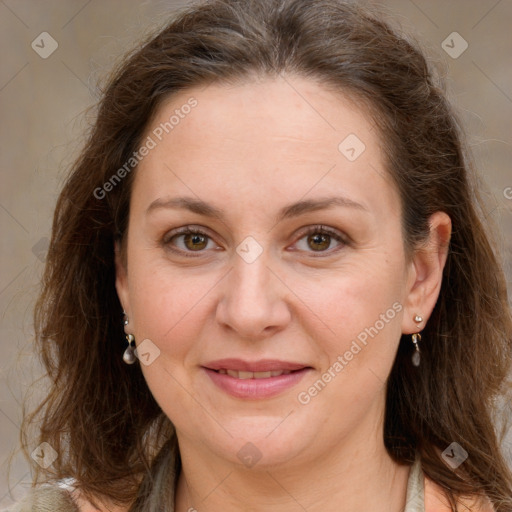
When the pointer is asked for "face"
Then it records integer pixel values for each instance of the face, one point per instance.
(266, 276)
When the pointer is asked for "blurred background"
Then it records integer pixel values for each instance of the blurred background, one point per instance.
(54, 53)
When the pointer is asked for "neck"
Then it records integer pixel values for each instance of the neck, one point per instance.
(357, 475)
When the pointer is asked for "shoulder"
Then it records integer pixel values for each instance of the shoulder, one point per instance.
(436, 501)
(54, 498)
(46, 498)
(83, 505)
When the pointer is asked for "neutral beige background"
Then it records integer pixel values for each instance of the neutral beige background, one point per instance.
(42, 102)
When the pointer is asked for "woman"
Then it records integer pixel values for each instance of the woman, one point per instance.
(276, 212)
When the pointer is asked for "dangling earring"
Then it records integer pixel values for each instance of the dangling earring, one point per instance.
(129, 353)
(415, 339)
(416, 355)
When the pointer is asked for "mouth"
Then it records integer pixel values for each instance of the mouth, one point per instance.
(255, 380)
(261, 366)
(241, 374)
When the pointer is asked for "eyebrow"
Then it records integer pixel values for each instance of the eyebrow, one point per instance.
(292, 210)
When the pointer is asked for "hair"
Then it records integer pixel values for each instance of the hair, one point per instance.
(99, 414)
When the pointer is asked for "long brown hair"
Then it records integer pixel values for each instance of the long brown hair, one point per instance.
(99, 414)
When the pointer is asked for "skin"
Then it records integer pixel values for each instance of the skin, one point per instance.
(250, 149)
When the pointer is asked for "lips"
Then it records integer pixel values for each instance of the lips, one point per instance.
(255, 380)
(255, 367)
(241, 374)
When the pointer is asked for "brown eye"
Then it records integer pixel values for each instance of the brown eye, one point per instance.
(319, 241)
(195, 241)
(189, 240)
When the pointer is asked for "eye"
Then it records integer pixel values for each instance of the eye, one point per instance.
(320, 239)
(188, 239)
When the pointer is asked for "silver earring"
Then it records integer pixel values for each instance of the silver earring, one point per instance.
(129, 353)
(415, 339)
(416, 355)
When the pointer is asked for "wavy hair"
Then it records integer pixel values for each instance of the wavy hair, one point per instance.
(99, 414)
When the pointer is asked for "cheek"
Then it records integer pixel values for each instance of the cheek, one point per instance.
(355, 297)
(363, 311)
(166, 304)
(171, 311)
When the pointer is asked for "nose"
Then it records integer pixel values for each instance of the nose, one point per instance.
(253, 302)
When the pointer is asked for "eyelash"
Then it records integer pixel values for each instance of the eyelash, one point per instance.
(318, 229)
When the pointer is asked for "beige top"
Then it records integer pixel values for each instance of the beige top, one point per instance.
(57, 498)
(415, 497)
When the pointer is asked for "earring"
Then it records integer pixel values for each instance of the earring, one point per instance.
(416, 355)
(129, 353)
(415, 339)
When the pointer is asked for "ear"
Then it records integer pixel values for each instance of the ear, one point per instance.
(122, 278)
(425, 274)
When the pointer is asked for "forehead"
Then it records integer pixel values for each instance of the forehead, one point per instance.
(290, 108)
(281, 136)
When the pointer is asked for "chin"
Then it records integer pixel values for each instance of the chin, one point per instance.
(261, 442)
